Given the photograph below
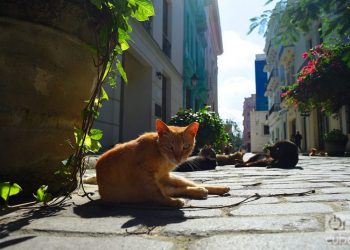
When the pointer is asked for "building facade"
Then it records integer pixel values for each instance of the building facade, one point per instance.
(283, 63)
(259, 131)
(248, 106)
(260, 83)
(213, 49)
(164, 54)
(259, 128)
(153, 65)
(202, 44)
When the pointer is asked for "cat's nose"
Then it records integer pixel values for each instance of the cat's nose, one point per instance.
(178, 158)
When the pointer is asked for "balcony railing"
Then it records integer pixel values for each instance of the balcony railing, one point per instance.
(272, 74)
(274, 108)
(166, 46)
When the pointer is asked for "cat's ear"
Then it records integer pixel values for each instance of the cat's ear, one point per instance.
(161, 127)
(192, 128)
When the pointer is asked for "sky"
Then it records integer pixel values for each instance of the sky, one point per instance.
(236, 77)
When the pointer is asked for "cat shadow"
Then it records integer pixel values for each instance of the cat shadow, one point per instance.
(149, 216)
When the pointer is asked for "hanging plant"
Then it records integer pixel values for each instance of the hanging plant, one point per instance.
(324, 82)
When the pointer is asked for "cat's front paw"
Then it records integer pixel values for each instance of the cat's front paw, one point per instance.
(226, 189)
(179, 202)
(202, 192)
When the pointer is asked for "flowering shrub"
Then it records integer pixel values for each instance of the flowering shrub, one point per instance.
(324, 82)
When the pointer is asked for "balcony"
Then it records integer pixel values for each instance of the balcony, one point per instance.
(273, 80)
(275, 108)
(166, 46)
(286, 54)
(201, 20)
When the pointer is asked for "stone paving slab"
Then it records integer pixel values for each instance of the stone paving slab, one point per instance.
(210, 226)
(310, 241)
(282, 209)
(279, 222)
(320, 197)
(48, 242)
(336, 190)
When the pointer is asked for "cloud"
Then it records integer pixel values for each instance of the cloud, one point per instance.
(238, 53)
(231, 97)
(236, 74)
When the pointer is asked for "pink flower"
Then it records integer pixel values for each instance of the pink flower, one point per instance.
(318, 47)
(300, 79)
(305, 55)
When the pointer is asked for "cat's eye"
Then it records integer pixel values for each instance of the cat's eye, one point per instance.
(186, 146)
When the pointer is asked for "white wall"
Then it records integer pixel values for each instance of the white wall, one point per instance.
(258, 138)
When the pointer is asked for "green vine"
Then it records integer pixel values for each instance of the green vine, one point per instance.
(112, 41)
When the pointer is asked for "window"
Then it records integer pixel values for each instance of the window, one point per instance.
(308, 43)
(266, 130)
(320, 37)
(164, 99)
(166, 40)
(158, 110)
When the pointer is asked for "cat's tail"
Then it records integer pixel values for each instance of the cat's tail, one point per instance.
(90, 180)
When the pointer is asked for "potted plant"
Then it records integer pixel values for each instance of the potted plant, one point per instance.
(54, 56)
(335, 142)
(211, 128)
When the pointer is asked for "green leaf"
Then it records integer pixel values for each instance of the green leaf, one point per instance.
(87, 142)
(8, 189)
(123, 37)
(96, 134)
(108, 67)
(97, 3)
(132, 2)
(112, 82)
(42, 195)
(78, 136)
(95, 146)
(104, 96)
(144, 11)
(121, 71)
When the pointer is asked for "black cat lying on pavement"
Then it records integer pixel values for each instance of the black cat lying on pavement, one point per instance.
(283, 154)
(205, 160)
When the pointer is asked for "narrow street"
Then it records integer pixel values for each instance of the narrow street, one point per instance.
(319, 220)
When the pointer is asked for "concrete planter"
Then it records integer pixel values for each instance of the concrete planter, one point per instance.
(47, 72)
(335, 149)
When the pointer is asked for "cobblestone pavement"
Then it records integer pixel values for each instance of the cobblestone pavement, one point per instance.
(320, 220)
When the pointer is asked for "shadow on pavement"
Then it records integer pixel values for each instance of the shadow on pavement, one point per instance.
(141, 214)
(24, 220)
(12, 242)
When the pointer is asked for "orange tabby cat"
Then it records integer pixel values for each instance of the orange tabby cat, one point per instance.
(139, 170)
